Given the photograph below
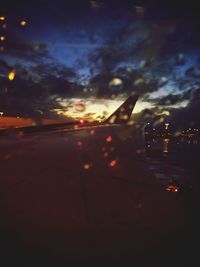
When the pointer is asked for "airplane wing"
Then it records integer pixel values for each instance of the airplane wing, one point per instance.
(119, 116)
(123, 113)
(82, 197)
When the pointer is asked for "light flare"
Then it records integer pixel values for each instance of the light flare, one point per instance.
(11, 75)
(113, 163)
(2, 38)
(109, 139)
(87, 166)
(23, 23)
(172, 188)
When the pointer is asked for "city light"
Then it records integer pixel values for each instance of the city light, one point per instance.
(166, 126)
(172, 188)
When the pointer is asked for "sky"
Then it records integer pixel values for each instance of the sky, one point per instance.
(83, 58)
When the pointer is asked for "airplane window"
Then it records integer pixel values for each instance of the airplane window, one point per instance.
(99, 132)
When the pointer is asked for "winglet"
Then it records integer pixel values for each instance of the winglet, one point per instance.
(123, 113)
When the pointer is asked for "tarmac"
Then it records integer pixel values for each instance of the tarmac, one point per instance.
(88, 197)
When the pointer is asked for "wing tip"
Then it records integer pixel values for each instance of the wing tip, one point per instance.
(123, 113)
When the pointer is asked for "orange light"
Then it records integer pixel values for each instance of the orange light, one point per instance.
(4, 26)
(87, 166)
(172, 188)
(23, 23)
(113, 163)
(80, 107)
(2, 38)
(2, 17)
(109, 139)
(81, 121)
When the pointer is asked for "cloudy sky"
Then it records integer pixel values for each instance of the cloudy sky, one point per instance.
(83, 58)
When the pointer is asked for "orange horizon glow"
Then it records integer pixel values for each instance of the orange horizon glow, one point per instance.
(95, 109)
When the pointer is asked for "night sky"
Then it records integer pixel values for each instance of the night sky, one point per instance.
(83, 58)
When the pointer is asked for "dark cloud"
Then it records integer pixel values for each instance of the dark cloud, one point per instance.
(59, 86)
(193, 72)
(28, 95)
(4, 66)
(55, 69)
(169, 100)
(33, 52)
(139, 40)
(188, 116)
(132, 80)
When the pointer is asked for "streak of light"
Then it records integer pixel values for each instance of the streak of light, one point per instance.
(172, 188)
(166, 126)
(166, 145)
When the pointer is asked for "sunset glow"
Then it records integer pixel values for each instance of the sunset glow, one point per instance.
(95, 108)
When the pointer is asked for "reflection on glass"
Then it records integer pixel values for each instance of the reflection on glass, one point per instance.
(166, 145)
